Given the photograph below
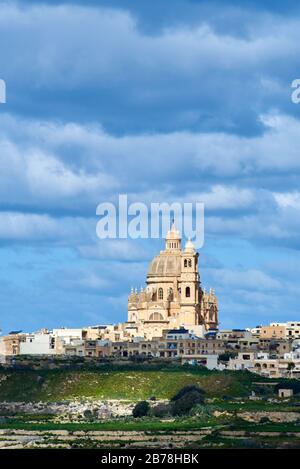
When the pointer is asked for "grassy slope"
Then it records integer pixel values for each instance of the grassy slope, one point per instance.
(131, 384)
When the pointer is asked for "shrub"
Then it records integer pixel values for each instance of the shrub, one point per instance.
(264, 420)
(187, 389)
(87, 414)
(294, 385)
(161, 410)
(203, 412)
(141, 409)
(185, 403)
(248, 443)
(224, 357)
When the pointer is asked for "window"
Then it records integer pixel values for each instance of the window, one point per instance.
(156, 317)
(185, 262)
(187, 292)
(190, 262)
(160, 294)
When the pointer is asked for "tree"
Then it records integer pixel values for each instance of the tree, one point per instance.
(186, 389)
(141, 409)
(290, 368)
(289, 384)
(187, 400)
(225, 357)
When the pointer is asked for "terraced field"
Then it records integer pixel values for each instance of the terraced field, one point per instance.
(213, 436)
(48, 409)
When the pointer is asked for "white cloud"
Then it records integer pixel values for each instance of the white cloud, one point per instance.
(32, 227)
(288, 199)
(115, 249)
(248, 280)
(32, 175)
(70, 168)
(226, 197)
(86, 156)
(192, 73)
(89, 44)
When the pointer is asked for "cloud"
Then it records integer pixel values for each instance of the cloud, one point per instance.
(288, 199)
(194, 74)
(253, 296)
(64, 170)
(89, 149)
(82, 33)
(27, 227)
(188, 107)
(32, 175)
(82, 280)
(115, 249)
(246, 280)
(221, 197)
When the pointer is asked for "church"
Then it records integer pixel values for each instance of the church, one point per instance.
(173, 297)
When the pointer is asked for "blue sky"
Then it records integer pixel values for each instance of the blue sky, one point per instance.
(170, 100)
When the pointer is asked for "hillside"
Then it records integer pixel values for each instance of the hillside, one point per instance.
(132, 383)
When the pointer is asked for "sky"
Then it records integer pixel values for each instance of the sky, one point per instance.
(174, 100)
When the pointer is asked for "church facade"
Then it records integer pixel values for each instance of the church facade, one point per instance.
(173, 296)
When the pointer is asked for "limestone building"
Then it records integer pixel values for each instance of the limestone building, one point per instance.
(173, 296)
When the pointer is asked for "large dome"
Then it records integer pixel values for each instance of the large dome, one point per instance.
(165, 265)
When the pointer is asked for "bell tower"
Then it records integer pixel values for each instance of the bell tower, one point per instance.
(190, 288)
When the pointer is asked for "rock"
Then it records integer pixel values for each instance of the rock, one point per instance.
(99, 409)
(279, 417)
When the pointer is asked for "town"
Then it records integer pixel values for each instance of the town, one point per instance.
(172, 319)
(271, 351)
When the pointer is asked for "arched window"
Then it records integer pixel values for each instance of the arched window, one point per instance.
(185, 262)
(160, 294)
(156, 317)
(190, 262)
(187, 292)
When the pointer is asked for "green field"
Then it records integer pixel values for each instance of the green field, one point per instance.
(217, 423)
(127, 384)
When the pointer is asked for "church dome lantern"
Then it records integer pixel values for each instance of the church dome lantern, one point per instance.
(173, 239)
